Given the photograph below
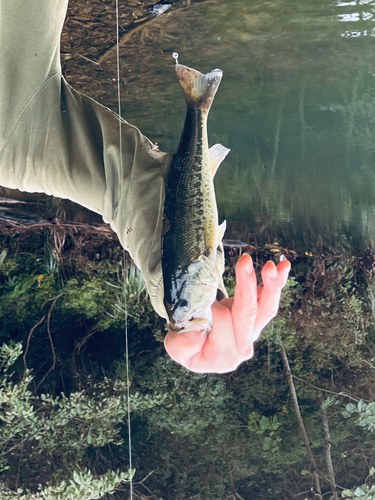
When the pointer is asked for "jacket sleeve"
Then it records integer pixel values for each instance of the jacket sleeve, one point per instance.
(60, 142)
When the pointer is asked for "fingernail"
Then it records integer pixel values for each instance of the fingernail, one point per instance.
(282, 257)
(249, 268)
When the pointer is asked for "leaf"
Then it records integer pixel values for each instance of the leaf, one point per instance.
(3, 254)
(358, 492)
(351, 408)
(347, 494)
(263, 423)
(362, 406)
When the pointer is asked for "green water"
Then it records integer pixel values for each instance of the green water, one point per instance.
(296, 107)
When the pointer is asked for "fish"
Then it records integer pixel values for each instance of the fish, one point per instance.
(191, 239)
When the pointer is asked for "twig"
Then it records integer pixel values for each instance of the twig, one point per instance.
(144, 479)
(85, 339)
(302, 493)
(75, 225)
(301, 425)
(232, 487)
(329, 482)
(19, 468)
(277, 135)
(88, 59)
(55, 299)
(331, 392)
(368, 363)
(327, 449)
(28, 344)
(124, 38)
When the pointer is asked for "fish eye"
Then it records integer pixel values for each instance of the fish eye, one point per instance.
(183, 304)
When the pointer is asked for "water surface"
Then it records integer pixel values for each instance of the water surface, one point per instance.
(296, 107)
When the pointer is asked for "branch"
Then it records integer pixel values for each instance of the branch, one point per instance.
(55, 299)
(232, 487)
(138, 27)
(28, 344)
(85, 339)
(331, 392)
(124, 38)
(277, 135)
(301, 425)
(327, 450)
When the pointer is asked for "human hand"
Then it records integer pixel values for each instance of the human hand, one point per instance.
(237, 322)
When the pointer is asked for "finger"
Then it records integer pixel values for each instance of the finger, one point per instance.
(228, 303)
(219, 353)
(244, 308)
(274, 279)
(268, 271)
(181, 347)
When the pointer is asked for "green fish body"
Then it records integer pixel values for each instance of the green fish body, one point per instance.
(191, 234)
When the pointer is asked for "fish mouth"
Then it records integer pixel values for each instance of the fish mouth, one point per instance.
(192, 325)
(200, 320)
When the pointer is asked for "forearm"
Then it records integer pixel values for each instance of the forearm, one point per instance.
(67, 145)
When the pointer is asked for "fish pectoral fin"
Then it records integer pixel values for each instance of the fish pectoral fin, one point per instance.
(221, 232)
(217, 154)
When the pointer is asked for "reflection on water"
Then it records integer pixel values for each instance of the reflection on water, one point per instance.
(297, 108)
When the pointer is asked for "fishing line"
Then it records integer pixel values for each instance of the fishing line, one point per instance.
(125, 272)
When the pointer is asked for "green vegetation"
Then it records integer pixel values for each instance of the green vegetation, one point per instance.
(63, 418)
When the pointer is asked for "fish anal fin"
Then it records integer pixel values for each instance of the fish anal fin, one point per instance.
(221, 232)
(217, 154)
(212, 245)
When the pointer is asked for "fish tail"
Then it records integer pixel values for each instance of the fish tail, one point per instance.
(199, 89)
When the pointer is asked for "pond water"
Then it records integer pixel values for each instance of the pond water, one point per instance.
(296, 108)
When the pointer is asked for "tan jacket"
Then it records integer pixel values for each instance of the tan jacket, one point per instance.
(57, 141)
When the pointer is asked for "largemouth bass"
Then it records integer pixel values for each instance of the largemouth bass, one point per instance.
(191, 233)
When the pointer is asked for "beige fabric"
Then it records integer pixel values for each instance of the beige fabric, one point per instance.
(60, 142)
(57, 141)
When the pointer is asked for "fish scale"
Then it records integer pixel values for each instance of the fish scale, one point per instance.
(185, 206)
(191, 234)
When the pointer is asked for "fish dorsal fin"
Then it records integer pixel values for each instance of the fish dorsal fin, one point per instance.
(217, 154)
(221, 232)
